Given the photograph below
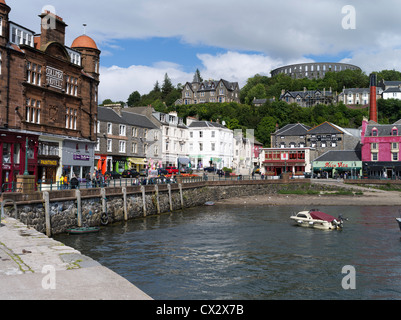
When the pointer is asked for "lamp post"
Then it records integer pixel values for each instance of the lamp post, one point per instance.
(26, 173)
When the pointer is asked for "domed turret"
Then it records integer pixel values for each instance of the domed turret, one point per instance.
(90, 54)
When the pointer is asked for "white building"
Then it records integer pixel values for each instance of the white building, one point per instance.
(243, 153)
(210, 144)
(174, 135)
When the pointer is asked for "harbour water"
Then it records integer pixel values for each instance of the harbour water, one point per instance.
(252, 253)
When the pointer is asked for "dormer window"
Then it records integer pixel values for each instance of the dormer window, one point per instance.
(394, 131)
(374, 132)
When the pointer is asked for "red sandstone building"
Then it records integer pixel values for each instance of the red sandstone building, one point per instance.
(48, 100)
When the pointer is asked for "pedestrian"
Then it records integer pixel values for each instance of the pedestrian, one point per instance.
(65, 182)
(88, 180)
(60, 182)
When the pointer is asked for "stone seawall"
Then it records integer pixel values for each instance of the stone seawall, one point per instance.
(54, 212)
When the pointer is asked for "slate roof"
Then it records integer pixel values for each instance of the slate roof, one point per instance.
(138, 120)
(383, 130)
(109, 115)
(205, 124)
(297, 129)
(326, 128)
(345, 155)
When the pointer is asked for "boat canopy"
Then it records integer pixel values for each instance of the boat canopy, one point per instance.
(321, 216)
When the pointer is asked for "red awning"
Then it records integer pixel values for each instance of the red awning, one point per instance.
(321, 216)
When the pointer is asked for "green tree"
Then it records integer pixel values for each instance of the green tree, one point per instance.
(134, 99)
(167, 86)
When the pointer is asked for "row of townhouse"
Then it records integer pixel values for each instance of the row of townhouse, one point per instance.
(371, 151)
(140, 138)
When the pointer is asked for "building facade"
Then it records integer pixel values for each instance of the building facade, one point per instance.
(48, 90)
(381, 149)
(308, 98)
(210, 144)
(210, 91)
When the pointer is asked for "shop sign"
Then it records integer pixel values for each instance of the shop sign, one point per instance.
(336, 165)
(43, 162)
(80, 157)
(54, 77)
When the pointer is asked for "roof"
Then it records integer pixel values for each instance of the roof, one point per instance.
(109, 115)
(205, 124)
(138, 120)
(326, 128)
(340, 155)
(308, 93)
(383, 130)
(297, 129)
(318, 215)
(84, 42)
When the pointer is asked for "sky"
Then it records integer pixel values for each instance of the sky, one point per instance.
(142, 40)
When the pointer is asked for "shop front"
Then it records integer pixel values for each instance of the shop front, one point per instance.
(15, 149)
(337, 169)
(48, 161)
(278, 161)
(77, 158)
(137, 163)
(381, 170)
(120, 164)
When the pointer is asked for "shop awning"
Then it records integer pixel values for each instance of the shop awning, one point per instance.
(137, 161)
(183, 160)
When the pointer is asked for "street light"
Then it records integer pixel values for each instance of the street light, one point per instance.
(26, 173)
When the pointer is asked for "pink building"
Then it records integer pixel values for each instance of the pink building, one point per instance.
(381, 149)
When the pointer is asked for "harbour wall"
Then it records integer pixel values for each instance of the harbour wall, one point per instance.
(54, 212)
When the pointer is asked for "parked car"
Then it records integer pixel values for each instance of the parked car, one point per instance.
(112, 175)
(142, 172)
(209, 169)
(171, 170)
(186, 170)
(130, 174)
(162, 171)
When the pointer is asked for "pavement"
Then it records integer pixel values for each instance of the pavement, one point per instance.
(36, 267)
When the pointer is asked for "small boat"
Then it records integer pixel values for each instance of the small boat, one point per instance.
(399, 222)
(209, 203)
(317, 219)
(83, 230)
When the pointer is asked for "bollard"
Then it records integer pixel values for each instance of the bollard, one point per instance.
(79, 207)
(124, 189)
(157, 198)
(103, 195)
(169, 197)
(181, 197)
(47, 213)
(143, 200)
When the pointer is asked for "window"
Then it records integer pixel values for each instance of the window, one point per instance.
(394, 132)
(134, 147)
(395, 156)
(71, 86)
(71, 118)
(145, 133)
(200, 134)
(191, 134)
(122, 145)
(374, 132)
(32, 112)
(213, 146)
(134, 132)
(374, 156)
(109, 128)
(156, 150)
(334, 144)
(97, 147)
(33, 73)
(200, 146)
(394, 146)
(122, 130)
(373, 146)
(213, 134)
(109, 145)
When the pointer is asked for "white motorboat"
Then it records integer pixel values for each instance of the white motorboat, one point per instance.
(317, 219)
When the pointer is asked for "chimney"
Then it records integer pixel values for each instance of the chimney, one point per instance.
(52, 28)
(373, 103)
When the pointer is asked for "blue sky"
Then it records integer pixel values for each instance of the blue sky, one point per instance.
(141, 40)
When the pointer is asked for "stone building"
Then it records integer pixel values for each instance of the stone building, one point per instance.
(48, 90)
(312, 70)
(210, 91)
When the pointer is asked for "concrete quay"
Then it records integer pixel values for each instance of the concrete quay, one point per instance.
(36, 267)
